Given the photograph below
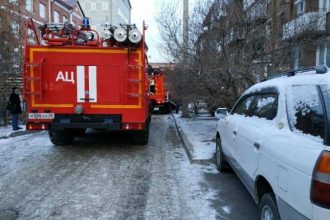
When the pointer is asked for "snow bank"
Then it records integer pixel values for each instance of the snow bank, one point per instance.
(8, 131)
(200, 131)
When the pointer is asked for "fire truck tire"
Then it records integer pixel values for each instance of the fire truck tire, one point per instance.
(61, 137)
(79, 132)
(140, 137)
(168, 108)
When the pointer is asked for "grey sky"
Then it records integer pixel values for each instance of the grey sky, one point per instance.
(146, 10)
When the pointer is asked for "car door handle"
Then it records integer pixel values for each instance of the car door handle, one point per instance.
(257, 145)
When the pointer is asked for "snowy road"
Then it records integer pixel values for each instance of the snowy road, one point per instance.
(101, 176)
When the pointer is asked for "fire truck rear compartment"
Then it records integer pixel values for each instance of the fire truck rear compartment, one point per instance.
(71, 83)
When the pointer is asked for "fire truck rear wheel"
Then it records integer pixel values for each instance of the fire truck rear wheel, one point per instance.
(61, 137)
(140, 137)
(79, 132)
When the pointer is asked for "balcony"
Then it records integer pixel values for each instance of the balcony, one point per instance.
(234, 36)
(257, 12)
(308, 23)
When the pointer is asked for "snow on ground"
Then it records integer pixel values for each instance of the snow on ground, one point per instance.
(104, 179)
(200, 192)
(21, 151)
(7, 131)
(200, 131)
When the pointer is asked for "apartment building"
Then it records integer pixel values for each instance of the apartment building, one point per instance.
(279, 34)
(309, 28)
(113, 11)
(54, 11)
(13, 14)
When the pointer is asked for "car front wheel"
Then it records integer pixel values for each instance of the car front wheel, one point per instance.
(219, 156)
(268, 208)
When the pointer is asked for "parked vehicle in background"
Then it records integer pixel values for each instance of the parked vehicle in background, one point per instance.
(74, 80)
(277, 140)
(160, 98)
(221, 113)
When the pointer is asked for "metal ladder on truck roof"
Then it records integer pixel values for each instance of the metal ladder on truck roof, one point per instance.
(131, 81)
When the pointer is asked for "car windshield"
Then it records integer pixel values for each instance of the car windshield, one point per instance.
(221, 111)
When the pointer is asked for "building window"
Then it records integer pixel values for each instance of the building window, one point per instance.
(324, 5)
(98, 6)
(93, 6)
(42, 10)
(28, 5)
(105, 6)
(87, 6)
(65, 19)
(56, 17)
(300, 5)
(298, 57)
(323, 55)
(15, 28)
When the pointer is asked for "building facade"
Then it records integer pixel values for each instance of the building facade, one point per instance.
(276, 35)
(115, 12)
(13, 14)
(54, 11)
(309, 28)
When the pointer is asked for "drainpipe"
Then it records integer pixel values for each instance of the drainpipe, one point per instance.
(49, 11)
(71, 12)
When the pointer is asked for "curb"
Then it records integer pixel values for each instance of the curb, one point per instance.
(188, 146)
(18, 134)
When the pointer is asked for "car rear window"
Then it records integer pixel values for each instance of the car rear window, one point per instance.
(305, 110)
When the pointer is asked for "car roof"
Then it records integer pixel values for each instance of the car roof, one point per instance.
(280, 83)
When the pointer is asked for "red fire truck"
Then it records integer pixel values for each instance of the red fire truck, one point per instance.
(73, 80)
(159, 97)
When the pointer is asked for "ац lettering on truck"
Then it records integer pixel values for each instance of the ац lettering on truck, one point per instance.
(73, 80)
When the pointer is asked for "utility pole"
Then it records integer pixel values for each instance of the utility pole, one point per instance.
(185, 25)
(185, 111)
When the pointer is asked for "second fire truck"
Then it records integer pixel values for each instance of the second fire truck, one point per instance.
(159, 96)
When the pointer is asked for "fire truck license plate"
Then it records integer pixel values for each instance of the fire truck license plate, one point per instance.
(156, 109)
(41, 115)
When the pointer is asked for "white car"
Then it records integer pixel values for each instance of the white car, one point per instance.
(277, 140)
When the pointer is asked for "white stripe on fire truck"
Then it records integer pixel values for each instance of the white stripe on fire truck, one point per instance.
(80, 84)
(92, 84)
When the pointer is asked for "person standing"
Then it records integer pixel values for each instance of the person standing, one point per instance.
(14, 104)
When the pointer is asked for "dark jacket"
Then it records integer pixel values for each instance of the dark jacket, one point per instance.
(15, 104)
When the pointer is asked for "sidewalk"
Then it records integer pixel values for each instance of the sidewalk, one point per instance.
(7, 131)
(198, 135)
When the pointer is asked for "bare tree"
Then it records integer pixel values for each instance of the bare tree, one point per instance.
(11, 23)
(232, 45)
